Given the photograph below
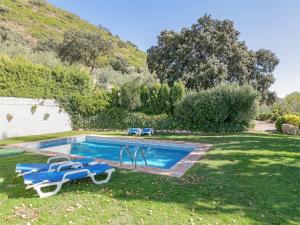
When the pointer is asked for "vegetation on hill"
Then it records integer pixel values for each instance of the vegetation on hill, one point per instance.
(37, 20)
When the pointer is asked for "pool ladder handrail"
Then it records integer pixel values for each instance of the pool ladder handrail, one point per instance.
(125, 147)
(137, 150)
(133, 158)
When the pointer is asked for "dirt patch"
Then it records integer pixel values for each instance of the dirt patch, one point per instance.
(20, 30)
(25, 212)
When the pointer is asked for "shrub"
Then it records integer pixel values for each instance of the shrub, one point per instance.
(130, 96)
(115, 97)
(279, 122)
(226, 108)
(107, 76)
(123, 119)
(120, 64)
(176, 94)
(264, 116)
(71, 87)
(289, 119)
(88, 104)
(164, 98)
(154, 98)
(20, 78)
(145, 98)
(292, 119)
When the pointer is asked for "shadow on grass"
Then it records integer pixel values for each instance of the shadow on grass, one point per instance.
(251, 175)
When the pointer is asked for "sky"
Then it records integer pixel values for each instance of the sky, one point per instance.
(269, 24)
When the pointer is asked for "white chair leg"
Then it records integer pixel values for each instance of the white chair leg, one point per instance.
(109, 172)
(47, 194)
(42, 194)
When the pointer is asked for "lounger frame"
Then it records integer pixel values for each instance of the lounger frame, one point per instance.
(66, 162)
(37, 187)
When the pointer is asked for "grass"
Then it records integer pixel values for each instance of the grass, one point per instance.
(248, 178)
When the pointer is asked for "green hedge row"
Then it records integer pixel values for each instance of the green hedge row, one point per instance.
(20, 78)
(225, 108)
(121, 119)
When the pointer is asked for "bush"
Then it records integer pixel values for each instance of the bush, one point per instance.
(264, 116)
(279, 122)
(130, 96)
(289, 119)
(120, 64)
(89, 104)
(20, 78)
(122, 119)
(176, 94)
(226, 108)
(107, 77)
(292, 119)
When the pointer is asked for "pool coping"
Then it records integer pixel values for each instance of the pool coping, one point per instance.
(177, 170)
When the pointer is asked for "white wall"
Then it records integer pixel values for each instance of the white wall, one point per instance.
(25, 123)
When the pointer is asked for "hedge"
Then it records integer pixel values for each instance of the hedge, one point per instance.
(116, 118)
(225, 108)
(20, 78)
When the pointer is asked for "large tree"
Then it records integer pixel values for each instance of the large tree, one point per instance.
(208, 53)
(83, 47)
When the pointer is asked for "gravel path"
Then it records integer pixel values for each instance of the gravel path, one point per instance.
(262, 126)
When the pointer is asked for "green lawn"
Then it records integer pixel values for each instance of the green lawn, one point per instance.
(249, 178)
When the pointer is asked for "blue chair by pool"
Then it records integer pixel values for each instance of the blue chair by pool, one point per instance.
(25, 168)
(147, 131)
(39, 180)
(134, 131)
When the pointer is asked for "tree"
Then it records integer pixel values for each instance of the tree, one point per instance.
(154, 98)
(47, 45)
(262, 79)
(115, 99)
(292, 102)
(176, 94)
(208, 53)
(270, 98)
(145, 98)
(83, 47)
(120, 64)
(164, 98)
(130, 95)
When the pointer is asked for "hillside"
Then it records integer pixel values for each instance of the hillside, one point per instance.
(38, 20)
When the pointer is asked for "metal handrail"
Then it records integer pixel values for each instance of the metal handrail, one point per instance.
(125, 147)
(137, 150)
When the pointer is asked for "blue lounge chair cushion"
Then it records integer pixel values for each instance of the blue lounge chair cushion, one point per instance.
(147, 131)
(35, 178)
(25, 167)
(134, 130)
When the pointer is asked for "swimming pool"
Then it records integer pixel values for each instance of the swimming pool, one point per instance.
(157, 154)
(162, 157)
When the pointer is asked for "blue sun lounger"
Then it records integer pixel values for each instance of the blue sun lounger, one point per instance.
(39, 180)
(25, 168)
(147, 131)
(134, 131)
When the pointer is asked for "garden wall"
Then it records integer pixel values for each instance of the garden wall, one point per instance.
(26, 116)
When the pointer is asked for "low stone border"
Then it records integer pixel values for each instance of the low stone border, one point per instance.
(178, 170)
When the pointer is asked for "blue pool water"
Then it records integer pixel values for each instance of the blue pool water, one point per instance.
(157, 155)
